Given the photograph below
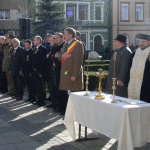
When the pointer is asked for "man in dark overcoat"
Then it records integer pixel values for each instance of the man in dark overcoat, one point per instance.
(39, 68)
(27, 68)
(120, 70)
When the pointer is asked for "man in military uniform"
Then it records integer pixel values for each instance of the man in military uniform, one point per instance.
(39, 64)
(16, 68)
(8, 47)
(27, 67)
(3, 79)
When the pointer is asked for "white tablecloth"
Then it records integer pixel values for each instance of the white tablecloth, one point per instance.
(129, 124)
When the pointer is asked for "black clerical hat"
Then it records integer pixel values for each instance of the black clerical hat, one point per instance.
(121, 38)
(144, 37)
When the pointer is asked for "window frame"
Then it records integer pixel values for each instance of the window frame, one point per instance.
(138, 3)
(5, 13)
(128, 3)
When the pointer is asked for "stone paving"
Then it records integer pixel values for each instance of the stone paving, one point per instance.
(24, 126)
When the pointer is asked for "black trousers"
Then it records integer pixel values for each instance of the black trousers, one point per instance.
(29, 81)
(18, 84)
(4, 84)
(63, 99)
(40, 89)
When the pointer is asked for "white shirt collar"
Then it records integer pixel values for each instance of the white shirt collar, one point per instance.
(16, 48)
(70, 41)
(38, 46)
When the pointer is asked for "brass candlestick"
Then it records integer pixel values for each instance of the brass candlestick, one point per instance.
(87, 80)
(100, 75)
(114, 88)
(114, 79)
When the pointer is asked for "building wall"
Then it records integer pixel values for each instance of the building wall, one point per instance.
(17, 9)
(132, 27)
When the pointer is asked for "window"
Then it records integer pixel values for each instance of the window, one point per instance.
(139, 12)
(98, 13)
(70, 14)
(124, 11)
(4, 15)
(82, 12)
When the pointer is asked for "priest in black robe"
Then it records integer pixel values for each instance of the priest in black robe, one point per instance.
(139, 82)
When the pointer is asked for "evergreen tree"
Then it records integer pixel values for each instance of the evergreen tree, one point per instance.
(48, 18)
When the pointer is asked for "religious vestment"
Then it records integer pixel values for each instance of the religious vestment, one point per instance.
(139, 83)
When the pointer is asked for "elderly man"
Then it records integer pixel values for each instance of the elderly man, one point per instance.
(16, 68)
(7, 49)
(39, 66)
(71, 57)
(121, 59)
(139, 83)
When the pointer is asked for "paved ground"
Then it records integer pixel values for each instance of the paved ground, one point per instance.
(24, 126)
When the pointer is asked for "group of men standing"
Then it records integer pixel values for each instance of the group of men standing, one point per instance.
(132, 70)
(60, 68)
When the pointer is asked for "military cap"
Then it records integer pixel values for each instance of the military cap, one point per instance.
(144, 37)
(9, 36)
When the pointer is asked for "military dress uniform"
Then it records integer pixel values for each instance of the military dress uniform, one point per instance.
(7, 49)
(39, 67)
(27, 68)
(3, 79)
(15, 69)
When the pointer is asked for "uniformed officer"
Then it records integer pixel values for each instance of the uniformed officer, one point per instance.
(7, 49)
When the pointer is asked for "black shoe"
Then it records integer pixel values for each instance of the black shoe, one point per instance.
(62, 113)
(34, 103)
(50, 106)
(57, 110)
(27, 100)
(40, 105)
(49, 98)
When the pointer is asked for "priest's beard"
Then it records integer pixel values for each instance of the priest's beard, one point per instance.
(143, 47)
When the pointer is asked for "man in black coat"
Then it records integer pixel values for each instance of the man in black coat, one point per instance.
(16, 68)
(27, 67)
(39, 67)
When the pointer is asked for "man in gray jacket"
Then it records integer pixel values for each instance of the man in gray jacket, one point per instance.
(120, 71)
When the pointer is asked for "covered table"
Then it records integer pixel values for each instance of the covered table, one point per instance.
(128, 120)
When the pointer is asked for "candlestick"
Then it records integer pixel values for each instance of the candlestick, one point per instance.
(87, 79)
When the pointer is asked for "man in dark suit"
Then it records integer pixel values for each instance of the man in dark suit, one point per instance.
(27, 67)
(16, 68)
(39, 67)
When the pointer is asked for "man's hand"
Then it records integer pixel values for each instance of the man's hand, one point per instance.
(20, 72)
(57, 55)
(34, 70)
(40, 75)
(9, 72)
(73, 78)
(120, 83)
(65, 55)
(54, 65)
(47, 55)
(23, 75)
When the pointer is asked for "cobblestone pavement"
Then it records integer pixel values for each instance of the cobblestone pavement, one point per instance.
(24, 126)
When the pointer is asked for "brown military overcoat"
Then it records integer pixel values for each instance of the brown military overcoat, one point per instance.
(73, 67)
(6, 49)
